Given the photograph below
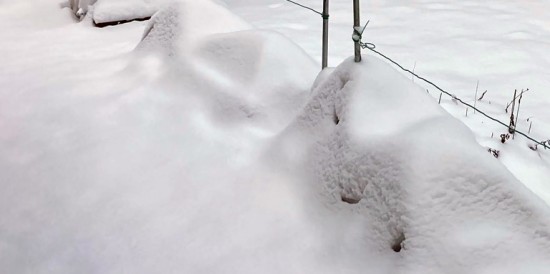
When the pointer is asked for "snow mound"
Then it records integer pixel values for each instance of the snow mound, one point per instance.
(380, 147)
(151, 164)
(181, 24)
(259, 67)
(252, 74)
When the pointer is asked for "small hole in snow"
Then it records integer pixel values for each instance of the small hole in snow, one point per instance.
(350, 200)
(335, 118)
(398, 243)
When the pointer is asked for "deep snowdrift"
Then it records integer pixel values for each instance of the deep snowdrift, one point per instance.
(258, 76)
(193, 153)
(418, 177)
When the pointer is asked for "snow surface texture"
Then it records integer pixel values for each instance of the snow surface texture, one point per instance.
(193, 153)
(125, 10)
(179, 26)
(253, 77)
(417, 175)
(107, 11)
(503, 44)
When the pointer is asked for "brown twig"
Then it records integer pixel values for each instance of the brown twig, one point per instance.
(483, 94)
(515, 97)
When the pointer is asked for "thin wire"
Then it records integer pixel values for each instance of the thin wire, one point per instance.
(306, 7)
(372, 47)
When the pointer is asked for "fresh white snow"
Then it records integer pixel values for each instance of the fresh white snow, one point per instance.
(105, 11)
(502, 44)
(379, 140)
(197, 143)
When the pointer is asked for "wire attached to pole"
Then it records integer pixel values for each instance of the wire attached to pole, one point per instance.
(371, 47)
(325, 16)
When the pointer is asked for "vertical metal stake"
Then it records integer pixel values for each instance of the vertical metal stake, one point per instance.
(325, 34)
(356, 25)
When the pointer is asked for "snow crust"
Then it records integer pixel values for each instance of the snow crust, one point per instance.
(203, 150)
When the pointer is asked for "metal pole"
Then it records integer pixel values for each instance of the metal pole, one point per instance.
(325, 34)
(356, 25)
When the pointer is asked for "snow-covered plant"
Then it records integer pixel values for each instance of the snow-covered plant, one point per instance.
(504, 137)
(495, 152)
(535, 147)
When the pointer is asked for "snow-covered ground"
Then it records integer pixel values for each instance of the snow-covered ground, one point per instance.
(105, 11)
(502, 44)
(196, 143)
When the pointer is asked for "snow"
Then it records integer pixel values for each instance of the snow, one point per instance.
(80, 7)
(454, 44)
(196, 143)
(108, 11)
(417, 173)
(178, 27)
(125, 10)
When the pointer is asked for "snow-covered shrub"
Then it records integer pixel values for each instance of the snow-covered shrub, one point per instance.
(494, 152)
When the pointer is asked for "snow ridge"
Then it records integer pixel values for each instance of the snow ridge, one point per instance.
(418, 176)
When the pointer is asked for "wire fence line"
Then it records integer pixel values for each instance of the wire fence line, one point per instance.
(357, 36)
(372, 47)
